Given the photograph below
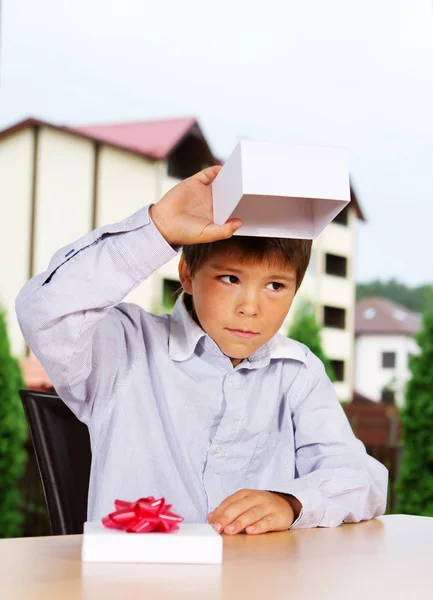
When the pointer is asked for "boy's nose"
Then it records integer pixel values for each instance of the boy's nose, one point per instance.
(248, 312)
(248, 302)
(248, 309)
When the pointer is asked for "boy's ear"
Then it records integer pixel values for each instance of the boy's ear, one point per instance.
(185, 276)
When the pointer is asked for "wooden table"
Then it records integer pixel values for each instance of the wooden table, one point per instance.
(388, 559)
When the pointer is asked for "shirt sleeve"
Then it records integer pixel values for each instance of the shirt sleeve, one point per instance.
(337, 481)
(60, 311)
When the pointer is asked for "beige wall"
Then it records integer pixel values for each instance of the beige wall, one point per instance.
(127, 183)
(338, 239)
(154, 291)
(16, 167)
(63, 193)
(166, 182)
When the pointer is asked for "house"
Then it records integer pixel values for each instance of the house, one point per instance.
(57, 183)
(384, 345)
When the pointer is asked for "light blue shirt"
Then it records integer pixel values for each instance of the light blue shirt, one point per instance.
(168, 415)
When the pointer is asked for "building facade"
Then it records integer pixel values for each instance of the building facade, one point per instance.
(58, 183)
(384, 346)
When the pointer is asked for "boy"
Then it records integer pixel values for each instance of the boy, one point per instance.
(210, 407)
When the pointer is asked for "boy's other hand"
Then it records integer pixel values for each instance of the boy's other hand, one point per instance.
(185, 214)
(255, 511)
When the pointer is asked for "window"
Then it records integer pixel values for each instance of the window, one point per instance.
(388, 360)
(169, 293)
(338, 366)
(343, 217)
(400, 315)
(334, 317)
(387, 396)
(336, 265)
(369, 314)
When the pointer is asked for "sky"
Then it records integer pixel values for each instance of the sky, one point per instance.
(351, 73)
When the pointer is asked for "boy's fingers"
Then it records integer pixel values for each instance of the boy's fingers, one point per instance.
(207, 175)
(225, 516)
(213, 233)
(230, 500)
(268, 523)
(253, 515)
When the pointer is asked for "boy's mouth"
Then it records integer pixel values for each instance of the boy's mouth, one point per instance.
(242, 333)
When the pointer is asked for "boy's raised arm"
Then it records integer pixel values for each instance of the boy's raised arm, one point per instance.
(69, 314)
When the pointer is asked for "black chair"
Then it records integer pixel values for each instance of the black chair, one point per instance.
(62, 448)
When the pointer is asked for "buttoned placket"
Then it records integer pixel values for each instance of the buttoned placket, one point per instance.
(225, 435)
(234, 401)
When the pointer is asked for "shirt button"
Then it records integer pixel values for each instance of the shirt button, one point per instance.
(218, 450)
(130, 222)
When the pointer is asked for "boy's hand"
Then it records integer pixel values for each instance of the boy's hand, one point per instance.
(255, 512)
(185, 214)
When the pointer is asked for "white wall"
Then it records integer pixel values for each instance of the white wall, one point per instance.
(371, 377)
(63, 193)
(16, 168)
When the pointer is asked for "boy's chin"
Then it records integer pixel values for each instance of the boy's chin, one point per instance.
(235, 353)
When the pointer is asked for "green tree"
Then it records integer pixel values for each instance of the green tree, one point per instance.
(415, 486)
(306, 329)
(13, 433)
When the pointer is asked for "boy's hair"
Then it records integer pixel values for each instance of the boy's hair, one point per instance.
(289, 252)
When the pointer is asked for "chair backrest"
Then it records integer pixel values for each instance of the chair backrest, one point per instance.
(62, 448)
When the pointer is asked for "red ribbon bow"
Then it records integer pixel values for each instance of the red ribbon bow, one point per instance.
(143, 516)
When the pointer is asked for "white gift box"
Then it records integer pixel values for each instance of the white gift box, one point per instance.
(191, 543)
(281, 191)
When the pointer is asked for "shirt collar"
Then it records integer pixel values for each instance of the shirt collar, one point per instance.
(185, 334)
(284, 347)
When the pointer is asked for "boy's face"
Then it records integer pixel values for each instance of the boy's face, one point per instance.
(240, 305)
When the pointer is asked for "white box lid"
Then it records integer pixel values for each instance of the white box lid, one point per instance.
(280, 190)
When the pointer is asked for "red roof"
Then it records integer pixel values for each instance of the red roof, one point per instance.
(152, 139)
(155, 139)
(382, 316)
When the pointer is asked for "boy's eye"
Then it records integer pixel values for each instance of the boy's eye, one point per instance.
(276, 286)
(229, 278)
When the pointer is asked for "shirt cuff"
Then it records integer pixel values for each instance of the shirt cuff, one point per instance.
(144, 248)
(313, 506)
